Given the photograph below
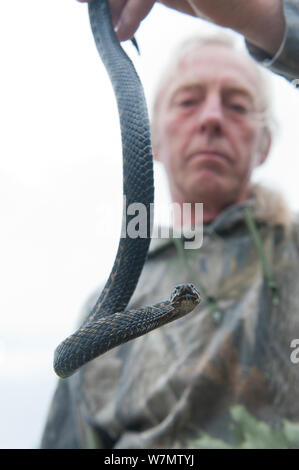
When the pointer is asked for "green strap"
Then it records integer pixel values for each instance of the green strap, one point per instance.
(261, 253)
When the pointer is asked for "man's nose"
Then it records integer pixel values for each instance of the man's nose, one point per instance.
(210, 115)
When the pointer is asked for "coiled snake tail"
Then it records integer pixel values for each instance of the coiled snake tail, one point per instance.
(106, 333)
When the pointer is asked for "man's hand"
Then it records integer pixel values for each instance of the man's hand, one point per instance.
(260, 21)
(127, 15)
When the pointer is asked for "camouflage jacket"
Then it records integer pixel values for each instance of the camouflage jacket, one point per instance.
(167, 388)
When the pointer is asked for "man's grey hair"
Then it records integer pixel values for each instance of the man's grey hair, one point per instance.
(266, 114)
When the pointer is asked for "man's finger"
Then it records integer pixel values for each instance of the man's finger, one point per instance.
(116, 8)
(132, 14)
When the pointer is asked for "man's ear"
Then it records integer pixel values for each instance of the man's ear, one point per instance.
(265, 146)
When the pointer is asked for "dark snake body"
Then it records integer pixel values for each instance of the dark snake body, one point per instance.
(109, 323)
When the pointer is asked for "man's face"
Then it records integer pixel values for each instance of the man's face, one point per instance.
(209, 130)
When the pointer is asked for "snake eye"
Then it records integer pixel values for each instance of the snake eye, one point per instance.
(175, 294)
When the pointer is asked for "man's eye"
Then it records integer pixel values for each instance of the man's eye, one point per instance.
(239, 108)
(187, 103)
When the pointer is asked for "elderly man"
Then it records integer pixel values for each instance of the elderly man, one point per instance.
(211, 128)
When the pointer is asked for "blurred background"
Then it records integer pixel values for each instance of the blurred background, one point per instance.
(61, 181)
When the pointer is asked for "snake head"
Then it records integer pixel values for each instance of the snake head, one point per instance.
(186, 296)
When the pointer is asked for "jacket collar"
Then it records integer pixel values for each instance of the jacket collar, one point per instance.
(268, 207)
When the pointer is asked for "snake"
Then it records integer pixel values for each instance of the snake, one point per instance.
(110, 322)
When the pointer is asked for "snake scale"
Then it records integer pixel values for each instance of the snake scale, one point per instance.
(109, 323)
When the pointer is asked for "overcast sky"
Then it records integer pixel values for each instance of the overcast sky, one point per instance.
(60, 183)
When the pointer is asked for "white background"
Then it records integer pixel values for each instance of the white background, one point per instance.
(60, 184)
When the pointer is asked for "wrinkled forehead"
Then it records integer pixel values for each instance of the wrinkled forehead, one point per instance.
(214, 66)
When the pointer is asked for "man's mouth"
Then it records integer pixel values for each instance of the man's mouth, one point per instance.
(209, 155)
